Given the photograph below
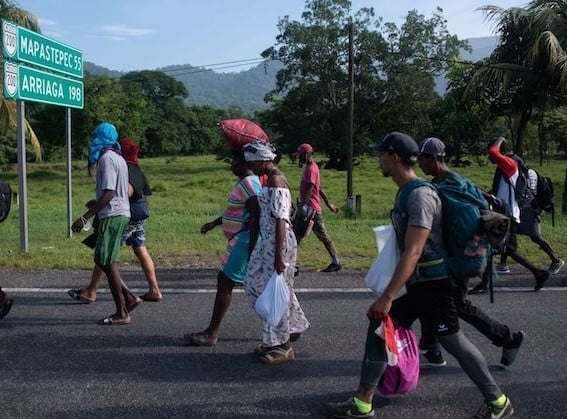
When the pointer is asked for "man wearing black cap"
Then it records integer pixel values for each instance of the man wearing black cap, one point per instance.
(417, 219)
(311, 193)
(432, 162)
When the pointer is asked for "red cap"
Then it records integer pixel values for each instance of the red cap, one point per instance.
(303, 148)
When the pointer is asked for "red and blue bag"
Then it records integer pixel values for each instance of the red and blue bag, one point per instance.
(402, 373)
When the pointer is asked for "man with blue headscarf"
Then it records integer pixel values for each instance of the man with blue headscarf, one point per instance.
(113, 211)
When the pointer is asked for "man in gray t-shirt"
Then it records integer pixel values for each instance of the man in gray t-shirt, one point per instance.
(113, 210)
(417, 220)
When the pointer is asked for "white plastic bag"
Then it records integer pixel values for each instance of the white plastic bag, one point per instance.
(273, 302)
(380, 273)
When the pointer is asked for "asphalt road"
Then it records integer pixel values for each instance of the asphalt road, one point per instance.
(55, 361)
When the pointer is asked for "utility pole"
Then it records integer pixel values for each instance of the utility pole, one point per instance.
(350, 111)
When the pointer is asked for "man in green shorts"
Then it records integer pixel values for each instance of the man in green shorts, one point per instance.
(113, 210)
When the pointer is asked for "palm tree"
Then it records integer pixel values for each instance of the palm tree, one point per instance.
(10, 11)
(549, 19)
(527, 72)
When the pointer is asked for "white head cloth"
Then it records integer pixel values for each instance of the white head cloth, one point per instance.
(259, 151)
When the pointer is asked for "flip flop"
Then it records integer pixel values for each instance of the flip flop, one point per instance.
(277, 355)
(77, 294)
(112, 321)
(133, 304)
(150, 298)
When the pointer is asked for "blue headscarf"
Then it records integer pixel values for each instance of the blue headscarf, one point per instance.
(106, 136)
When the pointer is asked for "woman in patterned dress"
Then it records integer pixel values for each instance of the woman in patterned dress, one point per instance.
(276, 250)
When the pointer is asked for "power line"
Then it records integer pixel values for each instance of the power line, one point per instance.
(193, 70)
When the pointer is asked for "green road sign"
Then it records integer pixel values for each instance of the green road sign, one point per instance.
(21, 44)
(25, 83)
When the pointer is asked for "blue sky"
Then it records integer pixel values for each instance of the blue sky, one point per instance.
(131, 35)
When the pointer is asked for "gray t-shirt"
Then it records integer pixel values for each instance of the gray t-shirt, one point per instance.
(423, 209)
(112, 174)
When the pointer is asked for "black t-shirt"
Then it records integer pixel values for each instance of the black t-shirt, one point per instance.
(139, 182)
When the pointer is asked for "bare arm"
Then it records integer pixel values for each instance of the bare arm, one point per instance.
(100, 203)
(253, 222)
(205, 228)
(332, 207)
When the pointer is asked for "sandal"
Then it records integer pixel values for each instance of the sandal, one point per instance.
(198, 339)
(77, 294)
(261, 350)
(113, 321)
(277, 355)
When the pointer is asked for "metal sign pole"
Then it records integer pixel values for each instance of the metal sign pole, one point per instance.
(22, 176)
(69, 191)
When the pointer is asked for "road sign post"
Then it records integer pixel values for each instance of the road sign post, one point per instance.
(23, 83)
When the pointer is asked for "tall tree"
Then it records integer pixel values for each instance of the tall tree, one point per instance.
(9, 10)
(314, 80)
(420, 49)
(394, 71)
(526, 73)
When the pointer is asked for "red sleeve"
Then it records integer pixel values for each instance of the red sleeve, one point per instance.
(507, 164)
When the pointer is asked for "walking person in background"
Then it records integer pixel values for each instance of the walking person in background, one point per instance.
(276, 250)
(240, 226)
(310, 194)
(113, 211)
(417, 220)
(530, 225)
(134, 235)
(504, 187)
(432, 162)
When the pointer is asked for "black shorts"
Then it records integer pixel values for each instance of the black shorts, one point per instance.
(431, 302)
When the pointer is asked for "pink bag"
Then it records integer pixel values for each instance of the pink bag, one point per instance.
(402, 373)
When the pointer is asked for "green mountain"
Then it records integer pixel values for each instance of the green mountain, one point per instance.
(247, 89)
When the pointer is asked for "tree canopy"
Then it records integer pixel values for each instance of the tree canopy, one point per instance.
(394, 72)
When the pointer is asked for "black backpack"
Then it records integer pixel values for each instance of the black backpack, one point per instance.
(5, 200)
(544, 197)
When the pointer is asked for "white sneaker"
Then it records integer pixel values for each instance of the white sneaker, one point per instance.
(554, 268)
(502, 269)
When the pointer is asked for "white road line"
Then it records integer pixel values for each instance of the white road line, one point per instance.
(239, 290)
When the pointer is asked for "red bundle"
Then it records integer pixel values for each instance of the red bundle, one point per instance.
(239, 132)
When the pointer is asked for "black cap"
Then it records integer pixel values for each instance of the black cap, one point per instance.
(432, 146)
(401, 144)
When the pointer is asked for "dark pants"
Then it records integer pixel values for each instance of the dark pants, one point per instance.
(498, 333)
(433, 305)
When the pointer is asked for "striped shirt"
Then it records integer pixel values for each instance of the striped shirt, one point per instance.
(235, 213)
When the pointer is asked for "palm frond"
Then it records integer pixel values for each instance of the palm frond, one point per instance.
(8, 119)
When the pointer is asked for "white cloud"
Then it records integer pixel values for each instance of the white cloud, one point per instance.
(122, 32)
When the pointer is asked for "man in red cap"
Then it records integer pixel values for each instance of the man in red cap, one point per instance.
(310, 194)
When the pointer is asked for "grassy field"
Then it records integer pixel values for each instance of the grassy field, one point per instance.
(189, 191)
